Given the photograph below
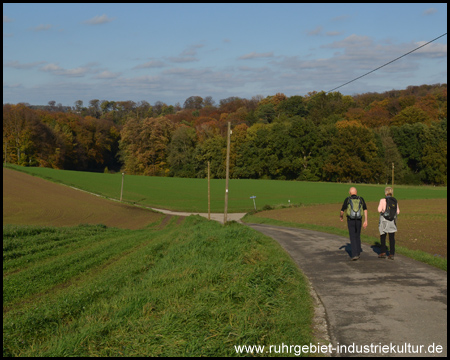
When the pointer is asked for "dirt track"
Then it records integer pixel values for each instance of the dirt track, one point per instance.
(29, 200)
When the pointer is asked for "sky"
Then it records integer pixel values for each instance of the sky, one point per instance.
(170, 52)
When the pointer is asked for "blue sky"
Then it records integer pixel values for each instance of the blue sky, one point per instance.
(169, 52)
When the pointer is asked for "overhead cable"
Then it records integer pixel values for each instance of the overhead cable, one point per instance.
(390, 62)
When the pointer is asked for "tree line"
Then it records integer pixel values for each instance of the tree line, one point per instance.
(317, 137)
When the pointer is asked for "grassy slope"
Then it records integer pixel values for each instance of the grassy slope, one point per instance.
(192, 289)
(191, 194)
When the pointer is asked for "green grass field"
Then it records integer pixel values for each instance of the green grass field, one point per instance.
(181, 194)
(195, 289)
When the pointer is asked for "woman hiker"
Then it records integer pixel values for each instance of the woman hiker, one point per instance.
(388, 209)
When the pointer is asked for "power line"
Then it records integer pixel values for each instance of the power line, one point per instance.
(390, 62)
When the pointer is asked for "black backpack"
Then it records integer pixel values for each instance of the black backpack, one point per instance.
(391, 208)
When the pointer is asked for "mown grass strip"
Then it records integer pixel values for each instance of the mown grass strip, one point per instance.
(418, 255)
(195, 289)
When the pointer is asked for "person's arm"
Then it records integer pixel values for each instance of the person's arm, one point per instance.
(344, 206)
(382, 206)
(365, 219)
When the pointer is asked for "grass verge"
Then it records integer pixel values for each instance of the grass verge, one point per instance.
(418, 255)
(194, 289)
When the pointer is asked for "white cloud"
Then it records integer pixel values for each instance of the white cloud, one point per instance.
(191, 50)
(76, 72)
(42, 27)
(254, 55)
(430, 11)
(352, 41)
(51, 67)
(57, 70)
(150, 64)
(107, 75)
(97, 20)
(433, 50)
(17, 65)
(316, 31)
(333, 33)
(182, 59)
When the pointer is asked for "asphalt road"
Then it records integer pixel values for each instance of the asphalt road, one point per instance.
(382, 307)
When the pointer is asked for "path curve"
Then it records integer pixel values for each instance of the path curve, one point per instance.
(370, 301)
(214, 216)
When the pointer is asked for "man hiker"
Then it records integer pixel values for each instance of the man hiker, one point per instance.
(353, 207)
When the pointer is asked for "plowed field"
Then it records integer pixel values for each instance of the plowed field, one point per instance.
(29, 200)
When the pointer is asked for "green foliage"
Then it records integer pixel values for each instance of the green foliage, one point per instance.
(180, 152)
(353, 155)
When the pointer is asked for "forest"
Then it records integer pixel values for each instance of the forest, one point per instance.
(317, 137)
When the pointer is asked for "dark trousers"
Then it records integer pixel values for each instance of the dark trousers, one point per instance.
(391, 243)
(354, 229)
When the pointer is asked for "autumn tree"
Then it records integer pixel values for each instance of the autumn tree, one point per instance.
(353, 155)
(193, 102)
(180, 152)
(390, 155)
(143, 146)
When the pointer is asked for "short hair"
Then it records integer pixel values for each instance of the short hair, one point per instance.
(388, 191)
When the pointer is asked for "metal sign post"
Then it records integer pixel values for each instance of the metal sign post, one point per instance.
(254, 203)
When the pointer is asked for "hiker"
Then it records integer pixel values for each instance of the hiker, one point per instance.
(388, 209)
(352, 206)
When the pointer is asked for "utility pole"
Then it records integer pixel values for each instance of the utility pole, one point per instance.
(209, 195)
(121, 189)
(227, 174)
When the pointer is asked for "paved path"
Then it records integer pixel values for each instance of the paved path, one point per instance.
(370, 301)
(214, 216)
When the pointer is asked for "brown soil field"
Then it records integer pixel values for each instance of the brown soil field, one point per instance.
(29, 200)
(421, 224)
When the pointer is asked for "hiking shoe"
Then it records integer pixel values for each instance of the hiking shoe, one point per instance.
(355, 258)
(391, 257)
(382, 255)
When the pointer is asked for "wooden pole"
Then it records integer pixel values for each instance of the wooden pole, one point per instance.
(227, 174)
(392, 179)
(121, 189)
(209, 194)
